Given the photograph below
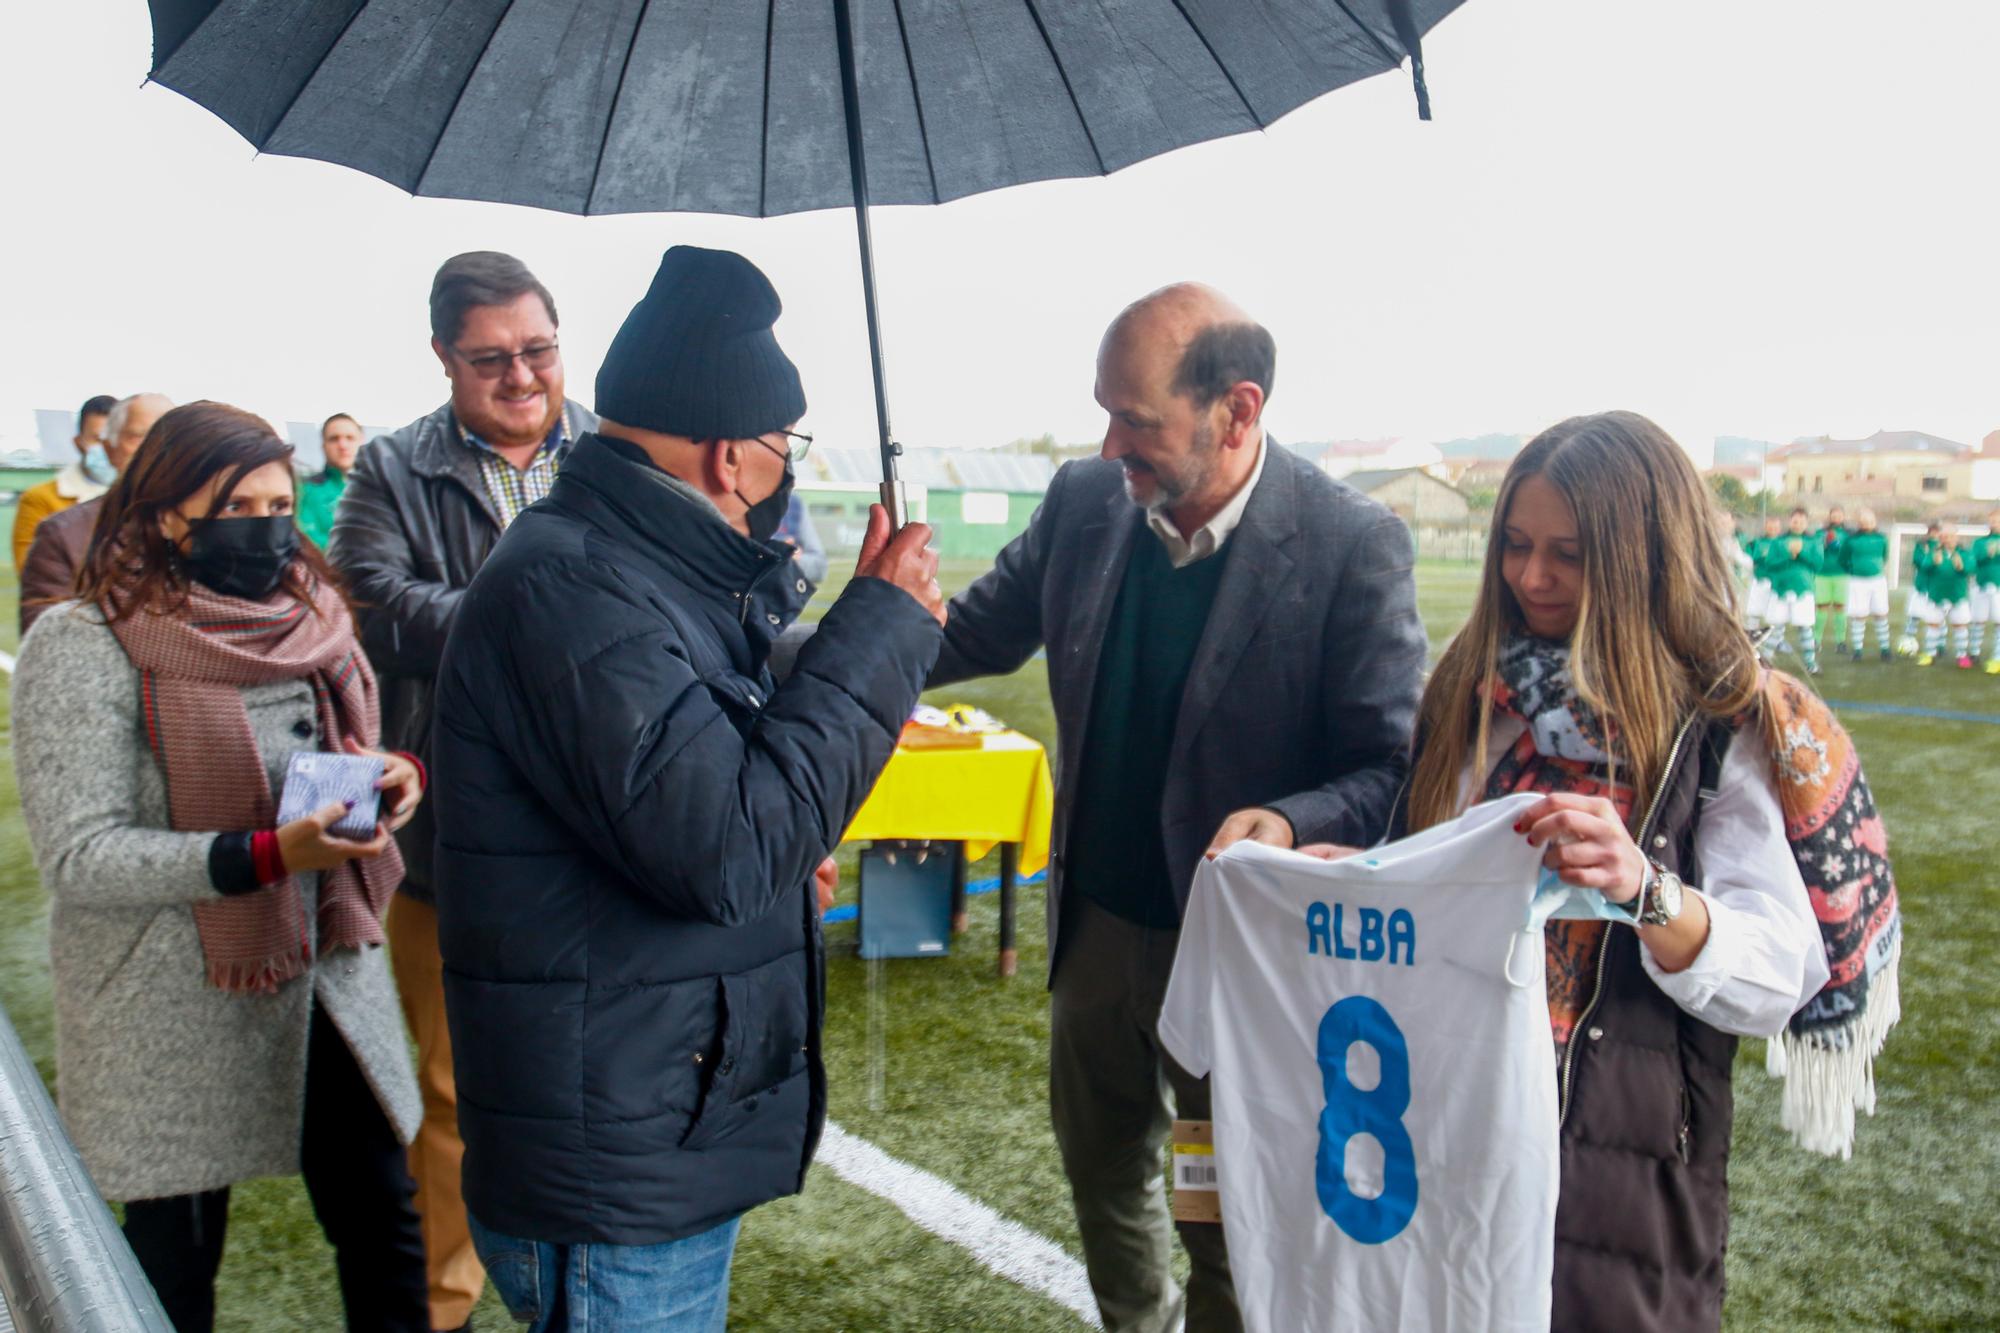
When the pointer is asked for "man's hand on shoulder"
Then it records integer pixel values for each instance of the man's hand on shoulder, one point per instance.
(904, 559)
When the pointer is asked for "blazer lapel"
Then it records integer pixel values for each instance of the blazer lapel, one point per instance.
(1257, 568)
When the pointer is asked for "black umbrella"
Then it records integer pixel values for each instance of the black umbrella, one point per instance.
(730, 106)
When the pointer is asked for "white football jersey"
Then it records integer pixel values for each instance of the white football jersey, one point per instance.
(1384, 1097)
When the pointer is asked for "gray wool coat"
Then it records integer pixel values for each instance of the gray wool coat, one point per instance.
(168, 1085)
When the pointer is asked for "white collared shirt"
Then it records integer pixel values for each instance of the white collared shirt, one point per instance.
(1210, 536)
(1763, 960)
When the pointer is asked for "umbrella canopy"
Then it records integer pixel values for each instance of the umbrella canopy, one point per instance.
(728, 106)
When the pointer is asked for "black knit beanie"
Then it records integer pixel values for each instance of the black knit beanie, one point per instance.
(697, 357)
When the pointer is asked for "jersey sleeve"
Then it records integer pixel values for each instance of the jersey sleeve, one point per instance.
(1184, 1014)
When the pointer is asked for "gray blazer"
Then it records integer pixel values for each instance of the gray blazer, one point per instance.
(168, 1085)
(1304, 687)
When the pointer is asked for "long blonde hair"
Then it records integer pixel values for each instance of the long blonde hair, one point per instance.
(1656, 635)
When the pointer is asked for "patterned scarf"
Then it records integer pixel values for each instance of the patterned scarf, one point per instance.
(193, 665)
(1565, 747)
(1827, 1053)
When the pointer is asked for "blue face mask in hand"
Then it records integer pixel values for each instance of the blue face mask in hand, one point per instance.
(1557, 901)
(97, 465)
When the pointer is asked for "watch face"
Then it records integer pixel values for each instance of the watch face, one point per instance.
(1666, 899)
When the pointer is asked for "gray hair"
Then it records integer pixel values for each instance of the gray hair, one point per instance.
(121, 411)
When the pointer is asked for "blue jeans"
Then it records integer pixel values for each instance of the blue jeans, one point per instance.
(678, 1286)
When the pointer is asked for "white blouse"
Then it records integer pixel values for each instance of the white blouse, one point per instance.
(1764, 958)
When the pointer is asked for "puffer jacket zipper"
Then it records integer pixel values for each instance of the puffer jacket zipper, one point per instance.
(1674, 757)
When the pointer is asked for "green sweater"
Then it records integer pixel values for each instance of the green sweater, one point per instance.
(1864, 553)
(1920, 564)
(1951, 573)
(1116, 854)
(1986, 555)
(319, 496)
(1764, 555)
(1829, 541)
(1794, 563)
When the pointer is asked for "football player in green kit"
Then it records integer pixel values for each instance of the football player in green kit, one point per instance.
(1917, 606)
(1864, 558)
(1830, 586)
(1950, 593)
(1794, 568)
(1762, 550)
(1986, 594)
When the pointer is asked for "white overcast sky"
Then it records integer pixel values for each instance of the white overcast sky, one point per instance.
(1756, 217)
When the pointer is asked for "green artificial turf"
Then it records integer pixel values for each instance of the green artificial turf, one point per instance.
(940, 1062)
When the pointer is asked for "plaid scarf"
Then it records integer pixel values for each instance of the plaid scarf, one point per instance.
(1826, 1055)
(1565, 747)
(193, 665)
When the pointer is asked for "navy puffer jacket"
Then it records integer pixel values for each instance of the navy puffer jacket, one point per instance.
(629, 814)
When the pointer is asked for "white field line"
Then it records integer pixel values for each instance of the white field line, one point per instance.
(1008, 1248)
(7, 663)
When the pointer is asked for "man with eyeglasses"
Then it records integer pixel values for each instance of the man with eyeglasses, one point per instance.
(423, 508)
(632, 813)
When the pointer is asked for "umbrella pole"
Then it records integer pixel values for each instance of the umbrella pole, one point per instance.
(894, 498)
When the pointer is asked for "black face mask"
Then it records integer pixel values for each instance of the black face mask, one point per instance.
(764, 517)
(243, 557)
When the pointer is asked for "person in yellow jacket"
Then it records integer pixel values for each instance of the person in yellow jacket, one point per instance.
(85, 479)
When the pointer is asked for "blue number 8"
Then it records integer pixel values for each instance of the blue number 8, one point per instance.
(1377, 1111)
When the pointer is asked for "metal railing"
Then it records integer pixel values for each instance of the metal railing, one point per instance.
(64, 1265)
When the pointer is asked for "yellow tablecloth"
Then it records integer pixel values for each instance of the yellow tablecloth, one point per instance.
(1000, 792)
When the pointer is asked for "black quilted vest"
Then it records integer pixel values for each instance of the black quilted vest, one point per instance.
(1644, 1211)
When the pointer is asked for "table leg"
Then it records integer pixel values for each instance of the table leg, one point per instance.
(1010, 864)
(958, 888)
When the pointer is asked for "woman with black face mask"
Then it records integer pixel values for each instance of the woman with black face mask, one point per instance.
(223, 1006)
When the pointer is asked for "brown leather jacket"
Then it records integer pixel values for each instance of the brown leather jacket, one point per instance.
(48, 574)
(413, 527)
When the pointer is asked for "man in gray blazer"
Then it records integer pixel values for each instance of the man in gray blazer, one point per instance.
(1233, 652)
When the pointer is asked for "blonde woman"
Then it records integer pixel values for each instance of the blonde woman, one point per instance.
(1605, 666)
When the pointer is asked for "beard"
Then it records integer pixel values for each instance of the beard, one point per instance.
(1172, 488)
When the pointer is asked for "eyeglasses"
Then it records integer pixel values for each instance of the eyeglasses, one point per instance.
(492, 365)
(796, 445)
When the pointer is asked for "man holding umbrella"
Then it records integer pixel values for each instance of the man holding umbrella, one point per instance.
(1234, 652)
(633, 813)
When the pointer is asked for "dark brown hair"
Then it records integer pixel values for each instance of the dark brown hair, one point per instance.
(131, 564)
(476, 278)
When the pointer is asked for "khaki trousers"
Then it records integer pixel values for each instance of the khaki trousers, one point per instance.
(1112, 1098)
(455, 1274)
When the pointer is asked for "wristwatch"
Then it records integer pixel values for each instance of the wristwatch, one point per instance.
(1659, 895)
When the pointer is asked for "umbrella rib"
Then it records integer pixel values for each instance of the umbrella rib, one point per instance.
(1373, 36)
(1035, 13)
(299, 91)
(617, 93)
(1209, 47)
(444, 126)
(764, 131)
(916, 96)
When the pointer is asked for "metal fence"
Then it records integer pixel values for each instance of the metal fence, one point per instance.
(64, 1265)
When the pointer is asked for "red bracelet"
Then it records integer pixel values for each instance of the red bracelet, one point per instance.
(265, 857)
(423, 774)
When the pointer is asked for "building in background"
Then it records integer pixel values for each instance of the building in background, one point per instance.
(976, 500)
(1918, 466)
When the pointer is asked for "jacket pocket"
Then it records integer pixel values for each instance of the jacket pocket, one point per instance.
(761, 1039)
